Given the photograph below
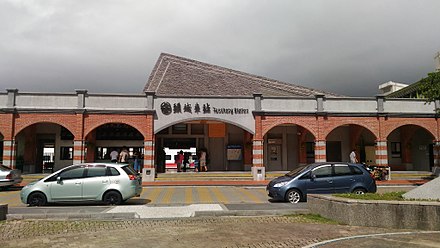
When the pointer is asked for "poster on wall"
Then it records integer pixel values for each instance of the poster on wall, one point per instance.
(234, 152)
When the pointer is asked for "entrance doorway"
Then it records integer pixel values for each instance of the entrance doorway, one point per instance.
(334, 151)
(45, 159)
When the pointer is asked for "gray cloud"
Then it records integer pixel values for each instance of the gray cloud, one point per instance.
(343, 46)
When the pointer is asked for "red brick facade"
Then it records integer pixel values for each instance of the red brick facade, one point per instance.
(82, 125)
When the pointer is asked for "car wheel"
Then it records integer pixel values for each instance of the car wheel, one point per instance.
(293, 196)
(37, 199)
(112, 198)
(359, 191)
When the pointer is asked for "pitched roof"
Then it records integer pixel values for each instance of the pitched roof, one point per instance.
(174, 75)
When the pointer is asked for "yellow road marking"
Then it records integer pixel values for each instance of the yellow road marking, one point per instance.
(188, 195)
(249, 195)
(219, 195)
(204, 195)
(168, 195)
(153, 194)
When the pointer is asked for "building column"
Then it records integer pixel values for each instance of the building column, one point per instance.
(148, 171)
(78, 151)
(9, 153)
(436, 151)
(320, 151)
(258, 169)
(381, 153)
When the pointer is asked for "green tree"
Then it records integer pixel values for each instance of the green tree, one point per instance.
(430, 87)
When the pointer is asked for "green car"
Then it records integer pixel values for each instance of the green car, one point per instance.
(109, 183)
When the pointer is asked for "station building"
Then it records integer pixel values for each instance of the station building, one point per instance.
(244, 122)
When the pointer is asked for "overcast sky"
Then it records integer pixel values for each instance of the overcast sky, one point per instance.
(110, 46)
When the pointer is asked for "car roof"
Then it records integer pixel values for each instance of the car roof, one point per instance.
(106, 164)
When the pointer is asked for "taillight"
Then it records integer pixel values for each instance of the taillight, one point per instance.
(9, 176)
(132, 177)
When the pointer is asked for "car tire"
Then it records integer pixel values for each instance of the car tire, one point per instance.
(112, 198)
(294, 196)
(37, 199)
(359, 191)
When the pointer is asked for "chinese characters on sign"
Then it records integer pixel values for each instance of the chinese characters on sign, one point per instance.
(206, 108)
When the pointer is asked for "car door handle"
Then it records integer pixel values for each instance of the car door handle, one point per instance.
(78, 183)
(104, 181)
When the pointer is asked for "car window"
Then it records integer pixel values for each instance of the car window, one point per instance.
(295, 171)
(73, 173)
(323, 171)
(4, 168)
(96, 171)
(129, 170)
(113, 171)
(342, 170)
(305, 176)
(356, 170)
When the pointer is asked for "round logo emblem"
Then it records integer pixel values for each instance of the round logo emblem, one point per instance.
(166, 108)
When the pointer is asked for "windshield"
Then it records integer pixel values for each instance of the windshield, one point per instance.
(296, 171)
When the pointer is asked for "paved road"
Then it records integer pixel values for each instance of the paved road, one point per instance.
(169, 202)
(251, 232)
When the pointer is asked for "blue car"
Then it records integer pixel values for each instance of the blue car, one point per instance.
(321, 178)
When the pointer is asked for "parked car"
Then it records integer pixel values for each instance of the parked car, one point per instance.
(321, 178)
(98, 182)
(9, 177)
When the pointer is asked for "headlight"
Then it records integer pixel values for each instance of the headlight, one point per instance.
(281, 184)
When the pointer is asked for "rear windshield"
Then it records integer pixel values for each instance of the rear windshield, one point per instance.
(129, 170)
(4, 168)
(296, 171)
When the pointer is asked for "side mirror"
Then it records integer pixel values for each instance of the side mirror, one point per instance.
(59, 180)
(312, 176)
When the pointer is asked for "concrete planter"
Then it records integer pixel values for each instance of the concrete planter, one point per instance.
(388, 214)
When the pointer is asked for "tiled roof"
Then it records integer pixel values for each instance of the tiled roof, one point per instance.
(174, 75)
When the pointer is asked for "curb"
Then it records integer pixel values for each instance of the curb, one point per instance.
(250, 212)
(74, 216)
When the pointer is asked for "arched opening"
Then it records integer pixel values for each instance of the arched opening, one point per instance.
(288, 146)
(228, 147)
(109, 137)
(343, 139)
(410, 147)
(43, 148)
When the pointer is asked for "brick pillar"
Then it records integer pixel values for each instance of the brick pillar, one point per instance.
(258, 169)
(381, 153)
(320, 151)
(78, 151)
(148, 171)
(9, 153)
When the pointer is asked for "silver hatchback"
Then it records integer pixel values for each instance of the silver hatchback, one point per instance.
(98, 182)
(9, 177)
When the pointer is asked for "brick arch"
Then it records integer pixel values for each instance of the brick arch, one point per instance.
(138, 122)
(26, 120)
(331, 124)
(429, 125)
(308, 123)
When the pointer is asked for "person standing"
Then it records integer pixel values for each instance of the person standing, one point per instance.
(114, 156)
(136, 162)
(202, 161)
(179, 160)
(353, 158)
(123, 156)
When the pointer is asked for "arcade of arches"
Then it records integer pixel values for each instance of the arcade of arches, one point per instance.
(35, 143)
